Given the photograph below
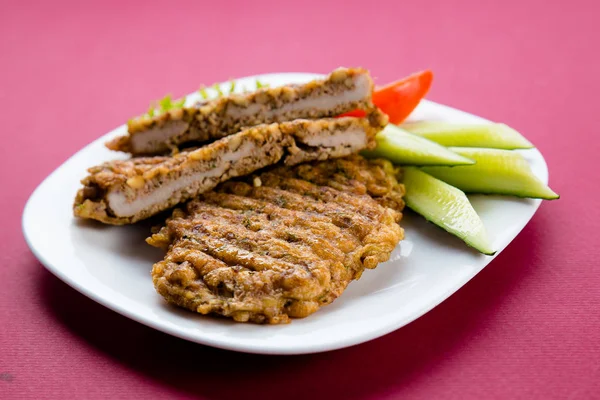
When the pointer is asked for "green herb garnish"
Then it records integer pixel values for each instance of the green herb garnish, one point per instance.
(150, 112)
(202, 92)
(166, 103)
(260, 85)
(179, 103)
(163, 105)
(217, 87)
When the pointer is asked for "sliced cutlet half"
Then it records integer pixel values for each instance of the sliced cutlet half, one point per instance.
(282, 243)
(126, 191)
(345, 89)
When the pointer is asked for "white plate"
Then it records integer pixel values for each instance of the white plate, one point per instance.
(112, 265)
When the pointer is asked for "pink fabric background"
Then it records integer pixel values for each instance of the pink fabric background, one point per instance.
(527, 327)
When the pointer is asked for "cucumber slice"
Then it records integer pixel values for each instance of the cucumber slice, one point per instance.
(496, 172)
(496, 136)
(402, 147)
(445, 206)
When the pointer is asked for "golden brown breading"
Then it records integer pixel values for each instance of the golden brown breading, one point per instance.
(345, 89)
(282, 243)
(126, 191)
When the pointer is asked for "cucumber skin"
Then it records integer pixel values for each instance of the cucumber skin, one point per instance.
(483, 247)
(556, 196)
(510, 167)
(492, 135)
(481, 250)
(404, 148)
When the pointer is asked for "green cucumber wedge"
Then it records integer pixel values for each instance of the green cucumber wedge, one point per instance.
(445, 206)
(496, 172)
(404, 148)
(495, 136)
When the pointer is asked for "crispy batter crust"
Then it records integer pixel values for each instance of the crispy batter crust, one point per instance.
(137, 178)
(227, 115)
(280, 244)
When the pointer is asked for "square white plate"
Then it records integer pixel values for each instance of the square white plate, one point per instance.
(112, 264)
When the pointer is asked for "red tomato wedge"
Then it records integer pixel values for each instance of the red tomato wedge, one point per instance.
(398, 99)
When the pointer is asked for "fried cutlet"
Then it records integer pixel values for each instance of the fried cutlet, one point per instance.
(345, 89)
(125, 191)
(282, 243)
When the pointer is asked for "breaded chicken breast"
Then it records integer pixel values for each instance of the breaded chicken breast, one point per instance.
(280, 244)
(126, 191)
(345, 89)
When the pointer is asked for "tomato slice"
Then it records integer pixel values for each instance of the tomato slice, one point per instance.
(398, 99)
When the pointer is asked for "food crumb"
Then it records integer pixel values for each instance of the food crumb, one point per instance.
(136, 182)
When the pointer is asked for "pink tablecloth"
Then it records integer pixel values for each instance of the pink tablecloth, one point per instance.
(527, 327)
